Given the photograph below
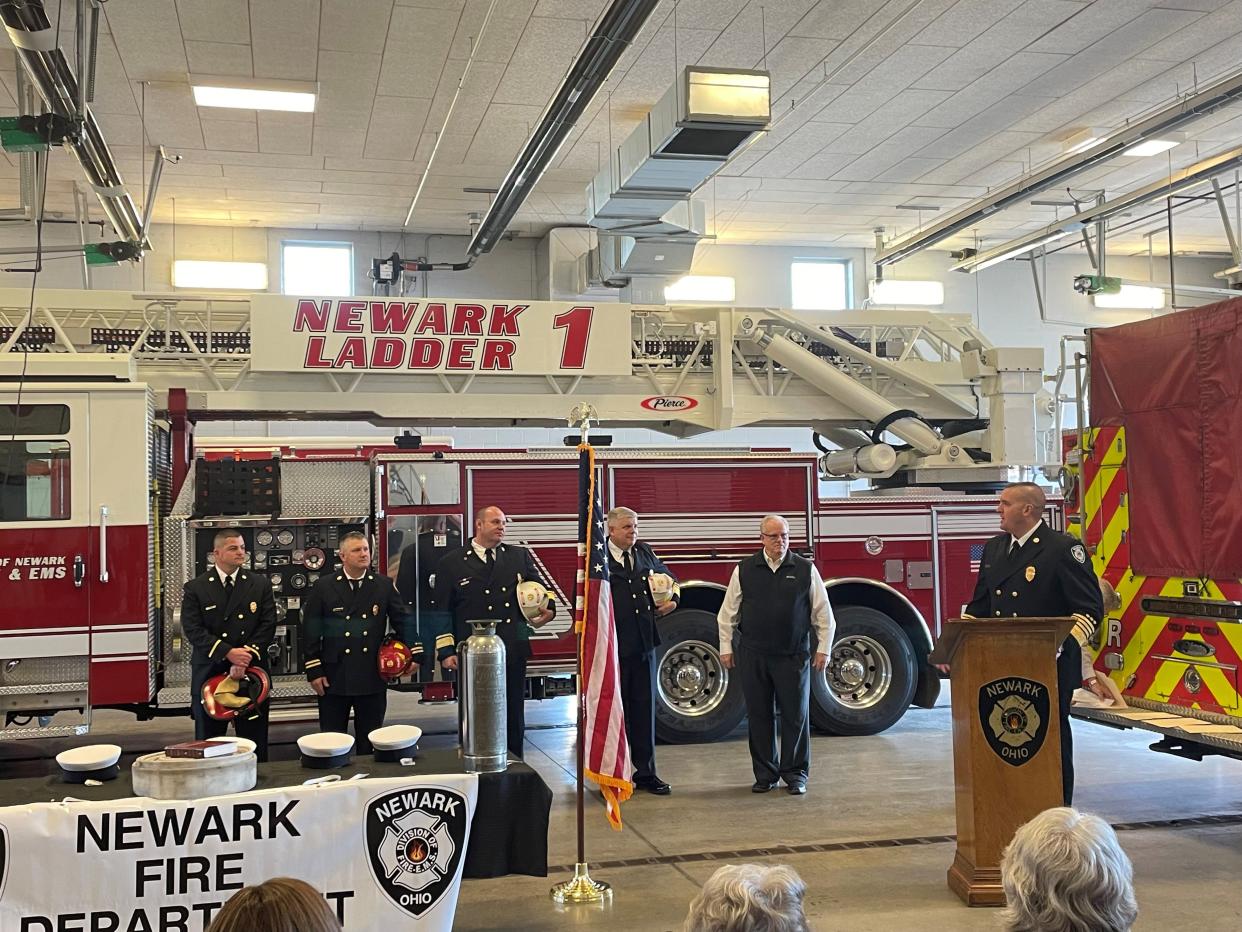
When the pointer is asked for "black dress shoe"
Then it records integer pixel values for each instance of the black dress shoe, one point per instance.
(762, 786)
(654, 785)
(796, 789)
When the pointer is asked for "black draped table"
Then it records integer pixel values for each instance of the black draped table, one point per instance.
(509, 834)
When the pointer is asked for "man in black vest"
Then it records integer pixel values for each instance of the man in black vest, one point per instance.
(1032, 571)
(228, 615)
(630, 566)
(346, 618)
(774, 599)
(479, 581)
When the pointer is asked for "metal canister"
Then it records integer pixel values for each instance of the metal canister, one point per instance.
(482, 722)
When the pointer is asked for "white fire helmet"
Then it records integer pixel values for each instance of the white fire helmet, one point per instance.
(661, 587)
(532, 599)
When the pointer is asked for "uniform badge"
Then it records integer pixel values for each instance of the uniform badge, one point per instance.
(1079, 553)
(1030, 574)
(415, 842)
(254, 606)
(1013, 713)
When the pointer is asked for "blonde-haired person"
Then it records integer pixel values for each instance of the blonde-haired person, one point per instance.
(749, 898)
(1065, 871)
(281, 904)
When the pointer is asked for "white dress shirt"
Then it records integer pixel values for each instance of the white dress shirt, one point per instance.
(617, 553)
(224, 577)
(481, 552)
(821, 612)
(1021, 541)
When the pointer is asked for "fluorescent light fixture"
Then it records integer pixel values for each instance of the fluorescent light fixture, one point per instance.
(249, 94)
(701, 288)
(1018, 251)
(231, 276)
(1155, 146)
(898, 291)
(1132, 297)
(739, 95)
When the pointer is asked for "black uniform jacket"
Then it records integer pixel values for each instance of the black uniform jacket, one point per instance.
(467, 589)
(637, 627)
(215, 623)
(344, 630)
(416, 574)
(1050, 576)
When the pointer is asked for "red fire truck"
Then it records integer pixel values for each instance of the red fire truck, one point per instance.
(109, 501)
(1153, 485)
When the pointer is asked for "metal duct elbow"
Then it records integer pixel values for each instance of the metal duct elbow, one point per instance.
(32, 35)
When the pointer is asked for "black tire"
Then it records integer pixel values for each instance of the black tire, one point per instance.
(697, 700)
(871, 677)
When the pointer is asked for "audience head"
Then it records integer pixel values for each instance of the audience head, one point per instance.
(281, 904)
(749, 898)
(1064, 871)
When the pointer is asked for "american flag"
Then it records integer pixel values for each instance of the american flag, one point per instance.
(607, 750)
(976, 557)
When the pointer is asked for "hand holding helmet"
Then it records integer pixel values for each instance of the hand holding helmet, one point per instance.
(533, 600)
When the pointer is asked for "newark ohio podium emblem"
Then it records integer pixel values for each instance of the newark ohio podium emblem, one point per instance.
(416, 839)
(1013, 713)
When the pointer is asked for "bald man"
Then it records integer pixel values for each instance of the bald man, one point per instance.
(1030, 570)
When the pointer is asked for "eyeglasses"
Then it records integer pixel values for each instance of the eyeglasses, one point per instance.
(783, 535)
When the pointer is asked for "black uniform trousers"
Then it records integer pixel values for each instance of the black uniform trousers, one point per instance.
(255, 729)
(1069, 678)
(368, 709)
(777, 687)
(638, 673)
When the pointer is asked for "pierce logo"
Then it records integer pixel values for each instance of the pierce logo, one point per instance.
(1014, 713)
(415, 842)
(669, 403)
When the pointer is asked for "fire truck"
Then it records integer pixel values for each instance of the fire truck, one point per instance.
(109, 500)
(1151, 486)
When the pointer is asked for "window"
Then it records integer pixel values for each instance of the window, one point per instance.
(420, 483)
(34, 420)
(820, 285)
(317, 269)
(34, 480)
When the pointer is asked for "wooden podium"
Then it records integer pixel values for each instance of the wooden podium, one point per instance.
(1006, 739)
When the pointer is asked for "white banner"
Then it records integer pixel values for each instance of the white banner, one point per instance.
(385, 853)
(292, 334)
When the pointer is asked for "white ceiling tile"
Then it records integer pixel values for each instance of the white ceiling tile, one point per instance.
(1190, 41)
(415, 52)
(171, 117)
(215, 21)
(540, 61)
(353, 25)
(503, 32)
(575, 9)
(888, 153)
(802, 144)
(882, 37)
(965, 20)
(219, 58)
(1017, 72)
(910, 169)
(285, 34)
(346, 89)
(235, 137)
(839, 19)
(285, 132)
(396, 127)
(1113, 24)
(339, 145)
(883, 83)
(148, 35)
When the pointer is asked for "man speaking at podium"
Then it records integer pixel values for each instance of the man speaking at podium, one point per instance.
(1032, 571)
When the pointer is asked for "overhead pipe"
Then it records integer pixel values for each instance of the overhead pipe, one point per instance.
(614, 32)
(1210, 99)
(32, 35)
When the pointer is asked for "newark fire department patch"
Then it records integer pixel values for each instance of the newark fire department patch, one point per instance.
(415, 842)
(1014, 715)
(1079, 553)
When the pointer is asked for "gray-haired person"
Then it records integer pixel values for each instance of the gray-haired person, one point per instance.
(1064, 871)
(749, 898)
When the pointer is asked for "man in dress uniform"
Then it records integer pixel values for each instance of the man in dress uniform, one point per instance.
(479, 581)
(228, 615)
(415, 581)
(774, 599)
(346, 618)
(631, 564)
(1031, 571)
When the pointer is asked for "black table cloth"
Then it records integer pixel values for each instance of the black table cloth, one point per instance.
(509, 834)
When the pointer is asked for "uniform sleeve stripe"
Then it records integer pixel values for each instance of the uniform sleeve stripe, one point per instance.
(313, 663)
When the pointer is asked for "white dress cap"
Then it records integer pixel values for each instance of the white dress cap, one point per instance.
(395, 738)
(89, 757)
(326, 744)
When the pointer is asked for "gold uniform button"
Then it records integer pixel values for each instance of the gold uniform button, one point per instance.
(347, 650)
(240, 615)
(364, 634)
(346, 634)
(349, 617)
(998, 614)
(503, 589)
(366, 650)
(1015, 614)
(1014, 594)
(487, 591)
(998, 592)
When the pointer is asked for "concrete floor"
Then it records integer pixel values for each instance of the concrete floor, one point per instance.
(891, 786)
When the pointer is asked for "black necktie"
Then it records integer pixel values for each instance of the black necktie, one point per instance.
(491, 557)
(228, 585)
(354, 584)
(629, 563)
(1014, 546)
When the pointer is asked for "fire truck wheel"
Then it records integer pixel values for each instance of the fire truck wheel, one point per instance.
(697, 700)
(871, 675)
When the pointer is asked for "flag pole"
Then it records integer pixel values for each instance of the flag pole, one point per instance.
(581, 888)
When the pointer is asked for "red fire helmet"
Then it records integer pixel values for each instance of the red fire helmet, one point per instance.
(395, 658)
(226, 698)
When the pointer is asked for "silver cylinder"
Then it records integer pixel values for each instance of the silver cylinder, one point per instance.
(481, 689)
(873, 459)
